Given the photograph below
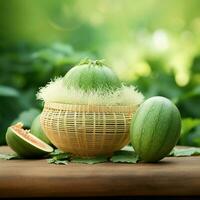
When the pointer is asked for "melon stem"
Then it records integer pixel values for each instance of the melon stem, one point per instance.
(94, 63)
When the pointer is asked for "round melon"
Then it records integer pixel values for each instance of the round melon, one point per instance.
(25, 144)
(36, 130)
(155, 129)
(92, 76)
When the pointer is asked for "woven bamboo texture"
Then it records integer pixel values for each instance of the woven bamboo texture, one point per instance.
(87, 130)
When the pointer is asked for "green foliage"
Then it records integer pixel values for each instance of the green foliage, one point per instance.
(160, 81)
(9, 156)
(190, 134)
(164, 40)
(185, 152)
(27, 117)
(58, 157)
(188, 124)
(125, 157)
(56, 152)
(10, 107)
(25, 68)
(57, 162)
(8, 92)
(95, 160)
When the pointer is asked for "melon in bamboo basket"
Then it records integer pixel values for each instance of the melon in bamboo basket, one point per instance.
(88, 112)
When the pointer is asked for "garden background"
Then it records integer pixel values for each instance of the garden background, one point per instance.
(152, 44)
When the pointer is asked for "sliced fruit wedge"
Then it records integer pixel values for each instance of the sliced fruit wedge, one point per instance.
(25, 144)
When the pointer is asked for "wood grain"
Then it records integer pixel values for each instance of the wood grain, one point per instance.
(36, 178)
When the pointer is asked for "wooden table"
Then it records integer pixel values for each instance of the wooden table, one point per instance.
(37, 178)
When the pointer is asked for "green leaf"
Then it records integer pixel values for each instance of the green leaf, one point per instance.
(63, 48)
(185, 152)
(192, 138)
(124, 157)
(188, 124)
(56, 152)
(61, 162)
(197, 141)
(9, 156)
(59, 157)
(171, 153)
(9, 109)
(8, 91)
(127, 148)
(50, 160)
(194, 92)
(62, 156)
(58, 162)
(95, 160)
(190, 132)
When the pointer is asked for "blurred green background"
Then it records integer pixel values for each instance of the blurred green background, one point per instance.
(154, 45)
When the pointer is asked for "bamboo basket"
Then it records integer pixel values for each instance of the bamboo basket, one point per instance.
(87, 130)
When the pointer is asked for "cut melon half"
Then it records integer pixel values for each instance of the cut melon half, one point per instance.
(25, 144)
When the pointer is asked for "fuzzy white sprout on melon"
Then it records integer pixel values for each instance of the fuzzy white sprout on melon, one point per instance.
(55, 91)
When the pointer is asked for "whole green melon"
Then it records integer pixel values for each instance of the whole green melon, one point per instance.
(36, 130)
(155, 129)
(92, 76)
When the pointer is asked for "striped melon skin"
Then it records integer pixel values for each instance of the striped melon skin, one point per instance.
(155, 129)
(25, 144)
(92, 76)
(36, 130)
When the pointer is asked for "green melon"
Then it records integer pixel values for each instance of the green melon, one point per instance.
(36, 130)
(155, 129)
(25, 144)
(92, 76)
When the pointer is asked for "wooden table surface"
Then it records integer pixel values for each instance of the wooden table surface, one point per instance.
(37, 178)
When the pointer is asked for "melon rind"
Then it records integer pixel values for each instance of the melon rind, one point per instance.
(92, 77)
(36, 130)
(25, 148)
